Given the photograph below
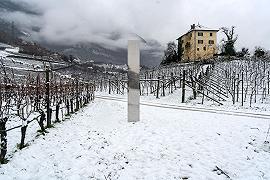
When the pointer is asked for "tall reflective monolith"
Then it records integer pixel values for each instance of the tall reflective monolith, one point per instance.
(133, 81)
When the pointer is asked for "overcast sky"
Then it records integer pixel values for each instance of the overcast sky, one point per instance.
(163, 20)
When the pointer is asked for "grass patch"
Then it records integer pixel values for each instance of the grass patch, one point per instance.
(50, 126)
(4, 161)
(190, 98)
(41, 132)
(57, 121)
(19, 145)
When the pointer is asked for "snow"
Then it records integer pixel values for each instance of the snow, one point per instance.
(22, 66)
(99, 143)
(13, 50)
(5, 45)
(3, 54)
(199, 27)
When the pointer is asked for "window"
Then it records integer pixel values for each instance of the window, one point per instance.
(211, 34)
(200, 41)
(198, 49)
(211, 41)
(204, 48)
(187, 45)
(200, 34)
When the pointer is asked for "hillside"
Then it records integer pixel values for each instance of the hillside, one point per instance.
(98, 53)
(150, 56)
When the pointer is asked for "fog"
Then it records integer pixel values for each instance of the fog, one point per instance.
(112, 22)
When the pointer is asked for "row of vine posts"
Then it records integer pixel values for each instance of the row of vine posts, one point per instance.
(44, 96)
(38, 96)
(235, 80)
(162, 81)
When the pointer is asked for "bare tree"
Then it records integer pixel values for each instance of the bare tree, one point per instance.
(228, 44)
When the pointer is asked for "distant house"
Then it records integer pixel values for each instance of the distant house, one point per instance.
(198, 43)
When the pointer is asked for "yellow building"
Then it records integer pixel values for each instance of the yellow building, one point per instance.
(197, 44)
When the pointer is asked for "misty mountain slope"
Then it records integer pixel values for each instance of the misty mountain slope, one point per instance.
(93, 51)
(86, 50)
(6, 28)
(11, 6)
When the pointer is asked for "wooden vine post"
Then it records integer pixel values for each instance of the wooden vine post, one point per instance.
(158, 84)
(242, 89)
(163, 86)
(23, 133)
(77, 95)
(48, 97)
(268, 82)
(183, 86)
(3, 134)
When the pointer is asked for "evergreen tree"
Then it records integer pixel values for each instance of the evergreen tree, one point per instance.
(244, 52)
(259, 52)
(170, 54)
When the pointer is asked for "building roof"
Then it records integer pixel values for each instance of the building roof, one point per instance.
(199, 27)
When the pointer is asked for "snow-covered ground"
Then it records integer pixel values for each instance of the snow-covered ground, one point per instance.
(99, 143)
(175, 98)
(4, 53)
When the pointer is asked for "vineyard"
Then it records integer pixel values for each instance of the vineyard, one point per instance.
(31, 97)
(97, 142)
(241, 82)
(133, 90)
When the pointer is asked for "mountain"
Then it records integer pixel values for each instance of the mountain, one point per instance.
(12, 6)
(96, 52)
(151, 56)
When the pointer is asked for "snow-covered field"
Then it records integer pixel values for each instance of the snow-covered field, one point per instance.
(99, 143)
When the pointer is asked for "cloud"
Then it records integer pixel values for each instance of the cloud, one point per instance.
(250, 18)
(112, 22)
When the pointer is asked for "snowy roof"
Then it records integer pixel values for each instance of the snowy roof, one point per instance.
(199, 27)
